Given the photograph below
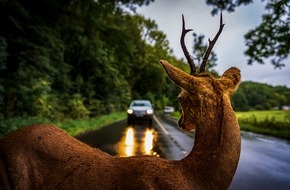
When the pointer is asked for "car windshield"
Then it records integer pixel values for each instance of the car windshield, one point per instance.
(140, 104)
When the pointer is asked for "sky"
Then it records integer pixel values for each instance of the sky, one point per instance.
(230, 46)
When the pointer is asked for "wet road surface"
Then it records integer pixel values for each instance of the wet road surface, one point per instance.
(264, 162)
(120, 139)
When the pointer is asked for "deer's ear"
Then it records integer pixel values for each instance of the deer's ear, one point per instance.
(178, 76)
(231, 79)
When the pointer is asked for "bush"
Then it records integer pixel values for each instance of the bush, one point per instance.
(77, 109)
(72, 126)
(9, 125)
(269, 123)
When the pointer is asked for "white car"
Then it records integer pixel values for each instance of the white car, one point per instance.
(168, 109)
(140, 110)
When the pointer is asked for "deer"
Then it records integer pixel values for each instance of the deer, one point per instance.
(43, 156)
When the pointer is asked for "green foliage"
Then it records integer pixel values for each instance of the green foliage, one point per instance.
(9, 125)
(3, 53)
(76, 126)
(262, 43)
(76, 107)
(228, 5)
(271, 39)
(72, 126)
(257, 96)
(3, 57)
(239, 101)
(77, 59)
(260, 116)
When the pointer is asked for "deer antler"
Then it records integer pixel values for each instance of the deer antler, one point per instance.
(211, 44)
(187, 55)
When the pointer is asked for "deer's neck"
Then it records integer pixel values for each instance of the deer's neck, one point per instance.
(216, 151)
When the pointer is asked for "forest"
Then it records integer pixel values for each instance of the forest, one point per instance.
(258, 96)
(77, 59)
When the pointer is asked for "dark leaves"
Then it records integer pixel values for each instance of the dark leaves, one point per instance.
(271, 39)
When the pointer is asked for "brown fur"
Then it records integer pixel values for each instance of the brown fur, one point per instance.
(44, 157)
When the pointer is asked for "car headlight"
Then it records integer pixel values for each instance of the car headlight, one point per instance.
(129, 111)
(149, 111)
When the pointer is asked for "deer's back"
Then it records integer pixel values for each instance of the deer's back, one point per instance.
(44, 157)
(40, 154)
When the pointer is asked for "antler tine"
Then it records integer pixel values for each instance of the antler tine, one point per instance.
(211, 44)
(185, 51)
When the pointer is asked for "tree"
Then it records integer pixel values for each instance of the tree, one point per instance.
(252, 95)
(3, 57)
(269, 40)
(240, 102)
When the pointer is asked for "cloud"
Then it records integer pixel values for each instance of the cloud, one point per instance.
(230, 46)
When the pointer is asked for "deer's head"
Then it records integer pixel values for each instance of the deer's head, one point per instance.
(202, 95)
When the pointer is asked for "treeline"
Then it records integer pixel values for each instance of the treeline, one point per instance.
(257, 96)
(67, 58)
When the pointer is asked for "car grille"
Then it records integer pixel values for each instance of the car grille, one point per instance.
(140, 113)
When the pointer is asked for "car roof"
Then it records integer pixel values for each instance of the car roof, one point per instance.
(147, 101)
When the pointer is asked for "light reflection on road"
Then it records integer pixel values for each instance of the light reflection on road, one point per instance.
(131, 145)
(129, 142)
(148, 141)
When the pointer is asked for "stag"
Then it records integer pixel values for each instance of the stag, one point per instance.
(45, 157)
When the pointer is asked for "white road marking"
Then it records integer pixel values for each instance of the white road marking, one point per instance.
(160, 125)
(168, 134)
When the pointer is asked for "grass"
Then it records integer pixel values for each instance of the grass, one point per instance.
(277, 115)
(72, 126)
(274, 122)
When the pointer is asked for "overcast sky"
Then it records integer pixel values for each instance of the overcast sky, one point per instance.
(229, 48)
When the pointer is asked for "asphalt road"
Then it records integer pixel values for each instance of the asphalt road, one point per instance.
(264, 162)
